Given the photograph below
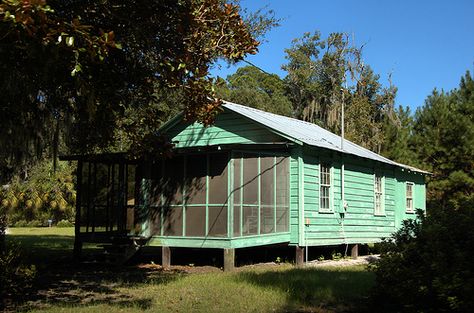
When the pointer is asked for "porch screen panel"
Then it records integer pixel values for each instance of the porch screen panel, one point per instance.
(267, 195)
(218, 194)
(157, 182)
(173, 221)
(250, 189)
(217, 221)
(249, 220)
(218, 174)
(196, 171)
(261, 194)
(173, 181)
(250, 180)
(131, 185)
(133, 223)
(100, 200)
(236, 192)
(195, 221)
(282, 194)
(156, 203)
(114, 197)
(172, 209)
(85, 197)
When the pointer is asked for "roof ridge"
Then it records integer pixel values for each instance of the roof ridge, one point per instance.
(308, 133)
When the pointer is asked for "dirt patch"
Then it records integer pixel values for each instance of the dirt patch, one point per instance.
(363, 260)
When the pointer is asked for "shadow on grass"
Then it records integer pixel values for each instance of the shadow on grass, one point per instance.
(344, 289)
(63, 281)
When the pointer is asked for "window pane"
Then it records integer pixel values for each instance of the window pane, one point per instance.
(267, 219)
(196, 172)
(282, 187)
(250, 180)
(236, 220)
(196, 221)
(324, 197)
(218, 173)
(173, 180)
(237, 182)
(218, 221)
(282, 219)
(267, 187)
(173, 221)
(250, 220)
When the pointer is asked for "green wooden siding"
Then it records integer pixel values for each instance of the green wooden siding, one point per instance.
(229, 128)
(359, 224)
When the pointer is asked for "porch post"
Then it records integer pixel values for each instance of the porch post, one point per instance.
(165, 257)
(299, 258)
(355, 251)
(229, 260)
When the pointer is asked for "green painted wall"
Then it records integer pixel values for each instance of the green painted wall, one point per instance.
(229, 128)
(359, 223)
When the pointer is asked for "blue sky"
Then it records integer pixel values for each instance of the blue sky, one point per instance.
(424, 44)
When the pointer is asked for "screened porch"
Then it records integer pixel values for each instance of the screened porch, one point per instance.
(217, 195)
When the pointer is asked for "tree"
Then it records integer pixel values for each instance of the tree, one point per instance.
(252, 87)
(444, 142)
(105, 57)
(398, 141)
(323, 74)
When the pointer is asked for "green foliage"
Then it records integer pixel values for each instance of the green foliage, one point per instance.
(444, 142)
(64, 223)
(254, 88)
(398, 141)
(44, 195)
(322, 74)
(427, 265)
(336, 256)
(15, 277)
(77, 68)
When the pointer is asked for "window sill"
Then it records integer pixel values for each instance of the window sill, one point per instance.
(410, 211)
(380, 214)
(326, 211)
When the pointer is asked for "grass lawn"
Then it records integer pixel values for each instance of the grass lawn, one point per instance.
(64, 285)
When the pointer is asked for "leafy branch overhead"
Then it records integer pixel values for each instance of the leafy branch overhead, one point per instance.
(75, 68)
(25, 22)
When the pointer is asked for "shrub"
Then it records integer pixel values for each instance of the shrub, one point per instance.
(35, 223)
(46, 194)
(64, 223)
(427, 265)
(21, 223)
(15, 277)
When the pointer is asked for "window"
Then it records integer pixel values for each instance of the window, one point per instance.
(378, 195)
(409, 195)
(325, 202)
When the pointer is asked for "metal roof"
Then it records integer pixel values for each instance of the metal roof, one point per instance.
(309, 134)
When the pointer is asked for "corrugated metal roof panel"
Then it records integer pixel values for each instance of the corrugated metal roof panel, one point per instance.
(309, 133)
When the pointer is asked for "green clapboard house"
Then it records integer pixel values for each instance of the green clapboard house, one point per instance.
(251, 179)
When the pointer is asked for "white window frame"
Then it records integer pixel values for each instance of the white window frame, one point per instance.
(408, 209)
(330, 209)
(379, 211)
